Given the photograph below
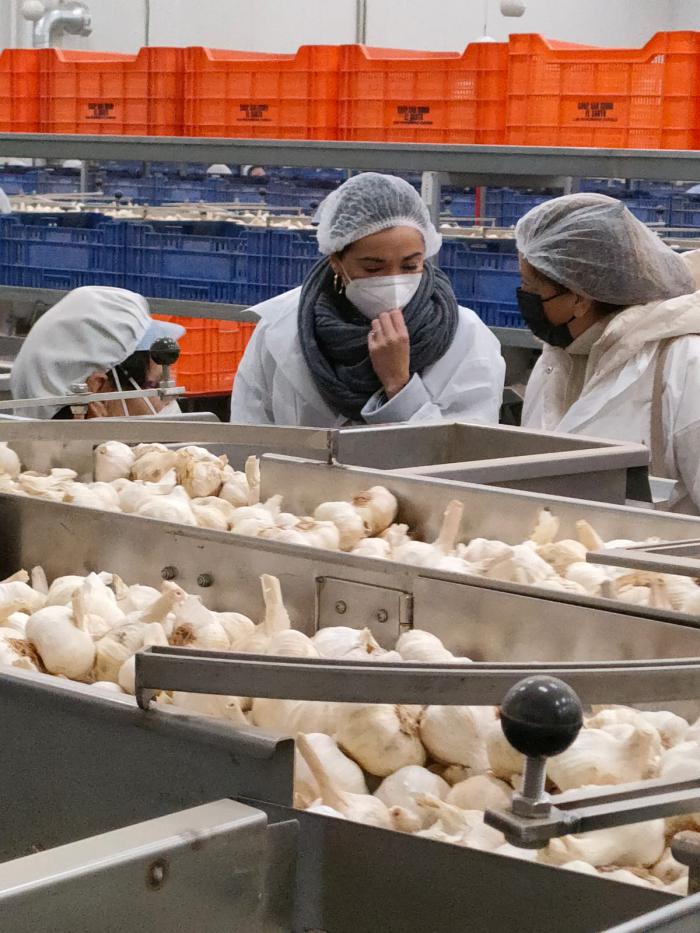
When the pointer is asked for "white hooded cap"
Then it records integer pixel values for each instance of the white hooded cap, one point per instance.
(91, 330)
(368, 203)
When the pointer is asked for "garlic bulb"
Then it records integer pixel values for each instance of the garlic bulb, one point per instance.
(252, 473)
(106, 686)
(395, 536)
(672, 729)
(340, 641)
(460, 827)
(237, 626)
(63, 647)
(290, 717)
(17, 621)
(9, 461)
(132, 495)
(101, 601)
(562, 554)
(590, 576)
(418, 645)
(668, 870)
(377, 508)
(523, 565)
(318, 807)
(154, 634)
(93, 496)
(546, 528)
(600, 757)
(588, 536)
(306, 532)
(235, 489)
(208, 516)
(401, 789)
(152, 462)
(212, 503)
(456, 734)
(482, 549)
(113, 460)
(119, 644)
(17, 651)
(17, 596)
(172, 507)
(219, 707)
(381, 738)
(291, 644)
(196, 627)
(635, 844)
(276, 619)
(681, 763)
(39, 581)
(361, 808)
(481, 792)
(376, 548)
(346, 518)
(136, 598)
(199, 472)
(341, 770)
(504, 761)
(435, 554)
(404, 821)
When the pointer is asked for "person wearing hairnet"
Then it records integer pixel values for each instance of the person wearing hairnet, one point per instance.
(619, 315)
(374, 335)
(98, 336)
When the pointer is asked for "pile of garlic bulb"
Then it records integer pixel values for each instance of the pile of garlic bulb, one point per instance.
(193, 486)
(427, 770)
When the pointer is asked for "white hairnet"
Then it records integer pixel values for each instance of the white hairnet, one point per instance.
(594, 246)
(91, 330)
(368, 203)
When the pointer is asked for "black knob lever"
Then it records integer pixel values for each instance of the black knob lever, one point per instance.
(165, 351)
(540, 716)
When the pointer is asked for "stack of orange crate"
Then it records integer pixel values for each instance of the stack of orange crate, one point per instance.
(646, 98)
(210, 352)
(401, 95)
(107, 93)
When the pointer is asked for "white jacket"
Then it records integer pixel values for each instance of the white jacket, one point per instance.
(615, 401)
(274, 385)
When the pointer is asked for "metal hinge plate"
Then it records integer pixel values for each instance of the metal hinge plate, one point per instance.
(385, 612)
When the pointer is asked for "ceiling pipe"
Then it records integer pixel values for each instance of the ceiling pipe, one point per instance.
(72, 17)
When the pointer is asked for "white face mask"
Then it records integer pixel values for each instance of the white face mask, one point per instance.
(376, 294)
(172, 408)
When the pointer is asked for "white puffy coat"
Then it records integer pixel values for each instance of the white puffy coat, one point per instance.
(615, 401)
(274, 385)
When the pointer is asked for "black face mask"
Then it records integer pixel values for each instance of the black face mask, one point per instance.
(532, 309)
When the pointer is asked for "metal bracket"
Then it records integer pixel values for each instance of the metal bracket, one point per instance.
(674, 557)
(385, 612)
(582, 811)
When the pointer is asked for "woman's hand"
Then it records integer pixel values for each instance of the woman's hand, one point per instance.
(390, 350)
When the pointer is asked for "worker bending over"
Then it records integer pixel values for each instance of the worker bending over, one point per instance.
(97, 336)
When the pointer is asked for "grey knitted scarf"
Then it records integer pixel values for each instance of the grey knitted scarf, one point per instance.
(333, 336)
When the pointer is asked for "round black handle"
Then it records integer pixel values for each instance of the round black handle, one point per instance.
(165, 351)
(541, 716)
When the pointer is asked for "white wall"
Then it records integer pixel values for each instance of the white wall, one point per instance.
(283, 25)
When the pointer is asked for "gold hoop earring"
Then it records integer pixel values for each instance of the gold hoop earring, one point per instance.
(338, 284)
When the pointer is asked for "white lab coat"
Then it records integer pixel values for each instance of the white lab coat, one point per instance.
(615, 401)
(274, 385)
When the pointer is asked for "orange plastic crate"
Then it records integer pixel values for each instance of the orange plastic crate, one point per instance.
(19, 91)
(210, 353)
(255, 95)
(623, 98)
(110, 93)
(400, 95)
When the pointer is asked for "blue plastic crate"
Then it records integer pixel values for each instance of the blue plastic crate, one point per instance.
(48, 183)
(495, 315)
(649, 209)
(292, 254)
(458, 203)
(508, 206)
(154, 286)
(211, 258)
(13, 182)
(39, 250)
(481, 269)
(685, 211)
(143, 190)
